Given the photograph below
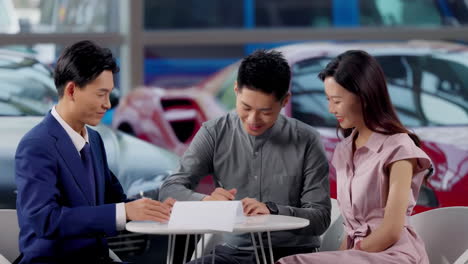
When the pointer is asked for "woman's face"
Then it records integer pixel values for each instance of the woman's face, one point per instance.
(343, 104)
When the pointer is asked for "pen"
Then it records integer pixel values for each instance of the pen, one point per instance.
(218, 182)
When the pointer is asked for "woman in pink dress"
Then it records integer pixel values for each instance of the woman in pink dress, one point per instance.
(379, 168)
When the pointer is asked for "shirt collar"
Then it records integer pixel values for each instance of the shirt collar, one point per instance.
(374, 142)
(76, 138)
(258, 141)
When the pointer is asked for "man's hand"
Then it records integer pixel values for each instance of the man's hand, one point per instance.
(147, 209)
(254, 207)
(220, 194)
(169, 202)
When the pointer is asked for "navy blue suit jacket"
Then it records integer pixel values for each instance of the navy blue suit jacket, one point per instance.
(59, 220)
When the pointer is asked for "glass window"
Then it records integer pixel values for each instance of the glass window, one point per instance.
(444, 89)
(459, 9)
(309, 103)
(397, 70)
(103, 16)
(170, 14)
(326, 13)
(442, 112)
(400, 13)
(428, 90)
(8, 20)
(399, 77)
(182, 66)
(167, 14)
(293, 13)
(47, 16)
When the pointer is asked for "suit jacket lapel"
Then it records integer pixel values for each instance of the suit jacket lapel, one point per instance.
(98, 169)
(71, 156)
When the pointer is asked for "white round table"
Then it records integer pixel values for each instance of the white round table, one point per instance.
(252, 224)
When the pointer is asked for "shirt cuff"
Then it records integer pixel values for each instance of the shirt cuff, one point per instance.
(120, 216)
(284, 210)
(197, 196)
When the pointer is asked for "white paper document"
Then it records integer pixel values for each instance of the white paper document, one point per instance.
(212, 215)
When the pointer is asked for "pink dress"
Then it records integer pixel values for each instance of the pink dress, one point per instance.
(362, 195)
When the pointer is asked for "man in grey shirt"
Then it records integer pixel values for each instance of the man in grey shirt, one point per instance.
(274, 164)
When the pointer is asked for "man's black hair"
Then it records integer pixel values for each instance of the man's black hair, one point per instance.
(265, 71)
(82, 63)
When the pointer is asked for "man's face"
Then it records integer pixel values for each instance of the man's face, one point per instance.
(258, 111)
(92, 101)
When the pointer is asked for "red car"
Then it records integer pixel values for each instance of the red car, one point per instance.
(427, 81)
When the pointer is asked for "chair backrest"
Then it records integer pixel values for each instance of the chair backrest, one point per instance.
(331, 239)
(114, 256)
(3, 260)
(444, 232)
(335, 211)
(9, 233)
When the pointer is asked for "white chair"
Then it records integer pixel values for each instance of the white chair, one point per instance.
(463, 259)
(331, 239)
(3, 260)
(445, 234)
(335, 211)
(9, 231)
(114, 256)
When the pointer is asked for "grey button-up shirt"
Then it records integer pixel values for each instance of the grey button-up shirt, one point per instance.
(285, 165)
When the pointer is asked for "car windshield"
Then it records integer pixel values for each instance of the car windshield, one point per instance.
(309, 103)
(27, 87)
(425, 90)
(444, 89)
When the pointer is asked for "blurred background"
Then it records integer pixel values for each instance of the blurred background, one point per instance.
(179, 61)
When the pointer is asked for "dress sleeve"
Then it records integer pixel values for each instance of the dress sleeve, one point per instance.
(403, 148)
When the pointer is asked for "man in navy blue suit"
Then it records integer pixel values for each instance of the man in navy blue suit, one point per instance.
(68, 199)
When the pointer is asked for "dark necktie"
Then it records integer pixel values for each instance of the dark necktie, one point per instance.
(88, 164)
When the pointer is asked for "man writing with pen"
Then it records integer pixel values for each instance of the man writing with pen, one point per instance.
(274, 164)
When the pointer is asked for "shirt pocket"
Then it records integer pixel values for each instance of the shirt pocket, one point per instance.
(284, 182)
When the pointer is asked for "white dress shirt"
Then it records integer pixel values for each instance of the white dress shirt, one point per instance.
(79, 142)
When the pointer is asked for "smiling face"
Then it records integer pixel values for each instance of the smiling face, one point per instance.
(91, 102)
(345, 105)
(257, 111)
